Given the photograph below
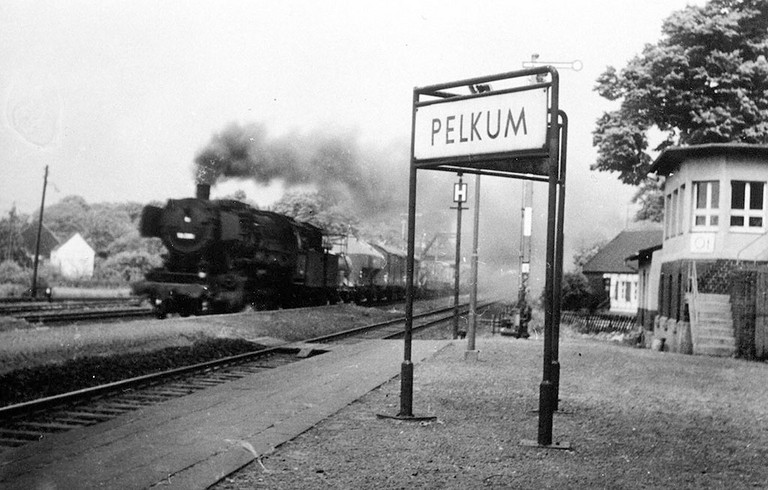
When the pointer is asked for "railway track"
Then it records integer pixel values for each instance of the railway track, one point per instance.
(32, 421)
(68, 311)
(70, 316)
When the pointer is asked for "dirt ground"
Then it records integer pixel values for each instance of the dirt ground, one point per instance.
(634, 418)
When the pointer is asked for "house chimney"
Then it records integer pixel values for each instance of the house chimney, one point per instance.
(204, 191)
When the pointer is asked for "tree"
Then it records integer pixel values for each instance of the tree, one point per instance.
(705, 81)
(105, 224)
(133, 242)
(67, 217)
(126, 266)
(11, 241)
(13, 273)
(317, 209)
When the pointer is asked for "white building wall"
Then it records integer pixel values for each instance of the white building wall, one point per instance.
(624, 292)
(74, 259)
(687, 241)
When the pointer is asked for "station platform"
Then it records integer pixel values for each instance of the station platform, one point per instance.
(193, 441)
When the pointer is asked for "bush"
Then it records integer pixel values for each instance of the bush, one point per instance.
(13, 273)
(13, 290)
(126, 266)
(576, 293)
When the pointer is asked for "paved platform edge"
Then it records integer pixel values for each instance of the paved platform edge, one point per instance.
(218, 466)
(89, 457)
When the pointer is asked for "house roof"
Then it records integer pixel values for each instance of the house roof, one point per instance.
(612, 257)
(48, 240)
(359, 247)
(669, 159)
(390, 250)
(74, 241)
(644, 253)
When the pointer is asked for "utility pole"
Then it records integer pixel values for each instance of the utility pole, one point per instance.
(526, 227)
(471, 353)
(39, 232)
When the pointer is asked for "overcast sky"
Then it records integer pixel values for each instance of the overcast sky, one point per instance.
(118, 97)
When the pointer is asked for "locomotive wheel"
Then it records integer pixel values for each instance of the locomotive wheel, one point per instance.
(187, 307)
(161, 310)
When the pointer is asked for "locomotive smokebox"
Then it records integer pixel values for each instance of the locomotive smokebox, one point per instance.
(204, 191)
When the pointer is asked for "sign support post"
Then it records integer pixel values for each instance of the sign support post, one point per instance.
(459, 197)
(557, 300)
(512, 131)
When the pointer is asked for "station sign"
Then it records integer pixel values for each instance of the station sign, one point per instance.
(504, 122)
(460, 192)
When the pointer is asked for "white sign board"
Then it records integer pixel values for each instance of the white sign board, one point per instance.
(702, 243)
(460, 192)
(501, 123)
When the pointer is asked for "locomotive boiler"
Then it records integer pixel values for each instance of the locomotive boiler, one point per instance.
(224, 254)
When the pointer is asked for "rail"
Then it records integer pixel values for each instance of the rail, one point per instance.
(63, 399)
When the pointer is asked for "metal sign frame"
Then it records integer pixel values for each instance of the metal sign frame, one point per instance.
(529, 163)
(545, 164)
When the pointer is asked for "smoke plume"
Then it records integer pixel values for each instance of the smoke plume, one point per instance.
(332, 163)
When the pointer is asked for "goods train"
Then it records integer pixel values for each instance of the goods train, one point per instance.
(224, 255)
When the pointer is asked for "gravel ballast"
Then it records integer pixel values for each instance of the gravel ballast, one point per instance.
(634, 418)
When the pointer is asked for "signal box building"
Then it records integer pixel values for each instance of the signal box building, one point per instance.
(715, 232)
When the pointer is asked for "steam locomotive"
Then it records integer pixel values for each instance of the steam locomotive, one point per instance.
(224, 255)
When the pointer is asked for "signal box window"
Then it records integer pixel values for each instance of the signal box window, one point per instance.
(747, 204)
(706, 204)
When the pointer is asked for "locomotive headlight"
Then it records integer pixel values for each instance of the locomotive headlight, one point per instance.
(202, 272)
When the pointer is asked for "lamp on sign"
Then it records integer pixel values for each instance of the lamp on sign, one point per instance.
(460, 192)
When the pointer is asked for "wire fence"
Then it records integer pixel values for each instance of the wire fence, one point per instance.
(599, 322)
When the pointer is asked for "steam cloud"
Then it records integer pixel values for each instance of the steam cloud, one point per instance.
(332, 163)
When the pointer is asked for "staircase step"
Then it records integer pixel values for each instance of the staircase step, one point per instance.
(713, 307)
(714, 298)
(719, 336)
(717, 351)
(715, 341)
(717, 323)
(717, 320)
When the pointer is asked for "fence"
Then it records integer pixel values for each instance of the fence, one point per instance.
(599, 322)
(749, 304)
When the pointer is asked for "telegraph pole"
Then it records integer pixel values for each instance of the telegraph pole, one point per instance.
(39, 232)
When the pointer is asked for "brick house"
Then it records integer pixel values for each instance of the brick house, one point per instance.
(715, 228)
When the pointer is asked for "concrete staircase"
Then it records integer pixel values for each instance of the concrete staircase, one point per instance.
(711, 324)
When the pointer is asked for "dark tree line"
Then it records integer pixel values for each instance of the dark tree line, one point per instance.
(111, 229)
